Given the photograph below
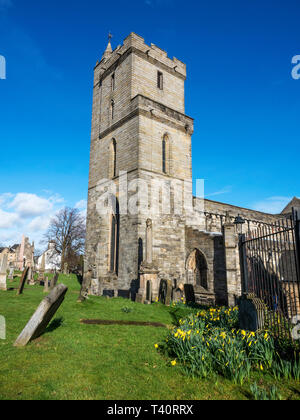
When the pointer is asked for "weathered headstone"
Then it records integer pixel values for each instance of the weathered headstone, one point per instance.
(169, 292)
(251, 313)
(42, 269)
(46, 285)
(178, 294)
(189, 293)
(66, 269)
(3, 273)
(86, 284)
(42, 316)
(11, 274)
(23, 281)
(54, 281)
(30, 278)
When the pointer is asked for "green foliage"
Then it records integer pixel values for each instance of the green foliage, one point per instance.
(77, 361)
(126, 310)
(208, 342)
(261, 394)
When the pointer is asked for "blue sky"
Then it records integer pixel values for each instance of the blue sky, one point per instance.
(239, 89)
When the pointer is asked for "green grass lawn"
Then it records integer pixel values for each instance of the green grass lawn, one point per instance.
(76, 361)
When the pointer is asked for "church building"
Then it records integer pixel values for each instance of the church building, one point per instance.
(143, 223)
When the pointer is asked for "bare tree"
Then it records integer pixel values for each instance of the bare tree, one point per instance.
(67, 231)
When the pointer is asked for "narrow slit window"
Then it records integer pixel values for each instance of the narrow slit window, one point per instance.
(113, 85)
(160, 80)
(164, 150)
(112, 109)
(114, 158)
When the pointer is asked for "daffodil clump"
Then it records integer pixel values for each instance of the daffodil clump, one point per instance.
(209, 342)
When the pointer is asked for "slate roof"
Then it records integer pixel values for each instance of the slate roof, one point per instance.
(294, 203)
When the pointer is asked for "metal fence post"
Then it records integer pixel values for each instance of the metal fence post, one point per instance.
(243, 263)
(296, 217)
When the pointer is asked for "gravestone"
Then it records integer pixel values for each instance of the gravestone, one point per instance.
(86, 284)
(189, 293)
(3, 273)
(178, 294)
(169, 293)
(251, 313)
(163, 291)
(148, 294)
(42, 316)
(125, 294)
(54, 280)
(30, 278)
(46, 285)
(66, 268)
(42, 270)
(23, 281)
(108, 293)
(11, 274)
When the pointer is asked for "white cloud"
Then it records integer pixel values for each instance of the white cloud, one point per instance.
(40, 223)
(29, 205)
(28, 214)
(81, 205)
(8, 220)
(272, 205)
(4, 198)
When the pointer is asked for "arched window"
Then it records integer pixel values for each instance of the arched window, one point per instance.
(114, 239)
(165, 154)
(113, 158)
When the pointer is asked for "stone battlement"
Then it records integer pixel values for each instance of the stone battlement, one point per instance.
(135, 43)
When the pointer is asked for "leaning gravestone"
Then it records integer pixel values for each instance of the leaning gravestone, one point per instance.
(23, 281)
(3, 268)
(42, 316)
(54, 281)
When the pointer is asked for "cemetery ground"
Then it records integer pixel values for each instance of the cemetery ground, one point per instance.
(72, 360)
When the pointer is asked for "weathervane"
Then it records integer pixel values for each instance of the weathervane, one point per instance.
(109, 36)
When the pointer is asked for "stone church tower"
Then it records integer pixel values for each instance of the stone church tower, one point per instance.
(143, 223)
(139, 127)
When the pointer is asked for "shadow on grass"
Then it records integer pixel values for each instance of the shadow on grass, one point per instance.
(56, 323)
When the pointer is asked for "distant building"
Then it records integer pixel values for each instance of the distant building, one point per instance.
(52, 258)
(19, 255)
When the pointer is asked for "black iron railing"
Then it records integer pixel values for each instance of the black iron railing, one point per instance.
(270, 269)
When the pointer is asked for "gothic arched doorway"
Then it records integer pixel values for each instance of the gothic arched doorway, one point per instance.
(197, 270)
